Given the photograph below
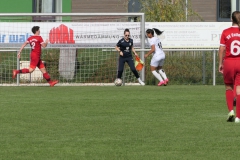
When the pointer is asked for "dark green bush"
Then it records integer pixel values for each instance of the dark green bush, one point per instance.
(97, 66)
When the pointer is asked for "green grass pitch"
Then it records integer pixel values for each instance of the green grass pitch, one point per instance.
(123, 123)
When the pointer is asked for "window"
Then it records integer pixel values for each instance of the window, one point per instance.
(134, 6)
(43, 6)
(224, 10)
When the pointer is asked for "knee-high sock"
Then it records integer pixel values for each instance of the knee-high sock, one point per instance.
(163, 74)
(157, 76)
(229, 99)
(238, 107)
(46, 76)
(24, 70)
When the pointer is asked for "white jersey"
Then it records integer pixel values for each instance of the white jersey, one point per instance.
(157, 43)
(158, 56)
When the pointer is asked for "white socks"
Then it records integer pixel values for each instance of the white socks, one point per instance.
(141, 82)
(163, 74)
(157, 76)
(231, 112)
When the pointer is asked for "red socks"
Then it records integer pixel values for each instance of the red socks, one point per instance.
(24, 70)
(229, 99)
(238, 107)
(46, 76)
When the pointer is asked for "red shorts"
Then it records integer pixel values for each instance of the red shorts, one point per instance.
(231, 72)
(36, 62)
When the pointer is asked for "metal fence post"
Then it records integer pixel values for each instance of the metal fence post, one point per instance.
(142, 75)
(204, 68)
(124, 75)
(214, 67)
(18, 67)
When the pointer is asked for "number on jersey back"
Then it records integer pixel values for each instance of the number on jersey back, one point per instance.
(35, 43)
(231, 40)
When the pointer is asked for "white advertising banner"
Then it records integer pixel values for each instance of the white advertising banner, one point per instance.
(191, 34)
(107, 34)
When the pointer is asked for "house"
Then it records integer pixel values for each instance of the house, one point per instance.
(209, 10)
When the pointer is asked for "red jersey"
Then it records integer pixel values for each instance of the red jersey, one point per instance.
(35, 43)
(231, 40)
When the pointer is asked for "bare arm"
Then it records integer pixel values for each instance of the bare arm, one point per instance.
(150, 52)
(134, 51)
(19, 53)
(118, 49)
(221, 52)
(44, 45)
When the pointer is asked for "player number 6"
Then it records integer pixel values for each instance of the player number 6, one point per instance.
(235, 49)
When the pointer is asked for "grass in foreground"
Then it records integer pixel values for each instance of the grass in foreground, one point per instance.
(133, 122)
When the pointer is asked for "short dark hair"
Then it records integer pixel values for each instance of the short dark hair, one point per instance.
(35, 29)
(126, 30)
(157, 31)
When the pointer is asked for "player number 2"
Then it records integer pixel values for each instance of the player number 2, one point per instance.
(235, 47)
(33, 45)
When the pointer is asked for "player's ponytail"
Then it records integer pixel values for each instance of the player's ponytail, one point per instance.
(236, 18)
(157, 31)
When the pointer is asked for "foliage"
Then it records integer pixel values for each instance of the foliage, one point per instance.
(51, 59)
(186, 68)
(168, 11)
(93, 66)
(7, 64)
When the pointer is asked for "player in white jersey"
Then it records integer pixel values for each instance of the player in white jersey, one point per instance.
(158, 56)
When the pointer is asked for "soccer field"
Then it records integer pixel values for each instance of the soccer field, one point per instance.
(129, 123)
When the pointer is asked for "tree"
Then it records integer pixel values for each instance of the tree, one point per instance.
(168, 11)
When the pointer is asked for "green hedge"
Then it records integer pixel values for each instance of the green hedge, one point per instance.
(187, 68)
(94, 65)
